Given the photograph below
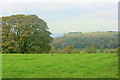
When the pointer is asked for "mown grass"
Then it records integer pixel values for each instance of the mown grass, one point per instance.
(102, 65)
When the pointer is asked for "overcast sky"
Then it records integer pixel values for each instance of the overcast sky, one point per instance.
(66, 16)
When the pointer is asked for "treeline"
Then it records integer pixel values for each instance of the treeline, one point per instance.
(25, 34)
(92, 49)
(81, 41)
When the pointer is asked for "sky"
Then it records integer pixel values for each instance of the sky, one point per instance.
(67, 16)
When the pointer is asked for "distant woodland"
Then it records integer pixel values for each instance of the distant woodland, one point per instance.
(88, 42)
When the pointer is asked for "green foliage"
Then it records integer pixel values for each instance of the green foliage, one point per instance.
(60, 65)
(106, 50)
(67, 49)
(110, 50)
(99, 51)
(75, 51)
(91, 49)
(53, 50)
(80, 41)
(25, 34)
(117, 50)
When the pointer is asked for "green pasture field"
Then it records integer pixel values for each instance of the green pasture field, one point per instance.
(93, 65)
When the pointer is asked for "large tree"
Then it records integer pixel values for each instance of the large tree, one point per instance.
(25, 34)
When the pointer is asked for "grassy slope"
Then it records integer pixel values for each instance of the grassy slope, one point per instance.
(60, 66)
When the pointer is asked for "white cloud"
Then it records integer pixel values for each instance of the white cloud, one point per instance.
(83, 23)
(59, 0)
(99, 15)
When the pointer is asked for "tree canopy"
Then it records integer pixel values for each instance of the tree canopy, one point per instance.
(25, 34)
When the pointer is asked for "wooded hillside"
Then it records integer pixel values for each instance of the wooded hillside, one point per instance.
(100, 40)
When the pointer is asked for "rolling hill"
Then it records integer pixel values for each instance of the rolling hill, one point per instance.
(81, 40)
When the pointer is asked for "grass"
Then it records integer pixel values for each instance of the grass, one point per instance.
(103, 65)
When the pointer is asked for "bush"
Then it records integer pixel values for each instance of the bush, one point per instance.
(75, 51)
(67, 50)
